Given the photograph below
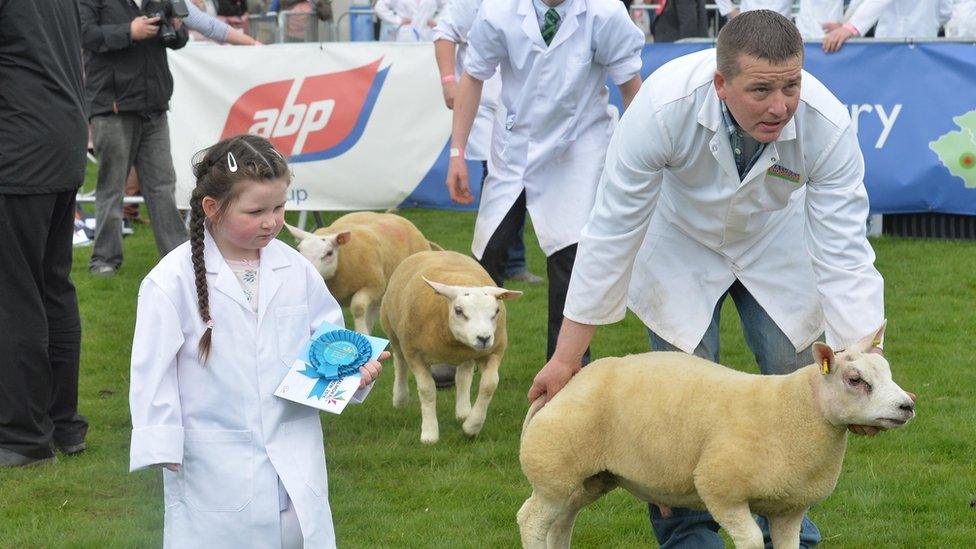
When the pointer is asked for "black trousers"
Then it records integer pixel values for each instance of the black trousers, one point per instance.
(559, 267)
(40, 329)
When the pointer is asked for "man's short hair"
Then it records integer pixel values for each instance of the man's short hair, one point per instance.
(763, 34)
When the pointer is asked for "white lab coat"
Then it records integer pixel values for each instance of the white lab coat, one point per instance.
(814, 13)
(901, 18)
(783, 7)
(419, 12)
(674, 224)
(454, 25)
(221, 420)
(553, 139)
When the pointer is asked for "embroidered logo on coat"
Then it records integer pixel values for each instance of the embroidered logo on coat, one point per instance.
(784, 173)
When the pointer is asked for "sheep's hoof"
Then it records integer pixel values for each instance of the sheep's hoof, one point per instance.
(428, 438)
(472, 428)
(462, 415)
(400, 401)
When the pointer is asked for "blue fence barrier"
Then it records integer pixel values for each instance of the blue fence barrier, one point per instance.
(915, 109)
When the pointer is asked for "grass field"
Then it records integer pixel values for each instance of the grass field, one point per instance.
(908, 488)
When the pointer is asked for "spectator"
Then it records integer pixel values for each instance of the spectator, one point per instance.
(204, 25)
(297, 26)
(962, 22)
(681, 19)
(894, 18)
(234, 13)
(43, 133)
(782, 7)
(414, 20)
(814, 14)
(129, 86)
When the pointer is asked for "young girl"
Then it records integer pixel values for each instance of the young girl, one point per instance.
(220, 321)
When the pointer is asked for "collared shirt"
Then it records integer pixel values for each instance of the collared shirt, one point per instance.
(745, 148)
(541, 8)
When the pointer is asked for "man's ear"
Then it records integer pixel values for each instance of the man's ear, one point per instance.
(719, 81)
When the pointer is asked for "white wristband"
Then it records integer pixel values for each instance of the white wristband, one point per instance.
(456, 152)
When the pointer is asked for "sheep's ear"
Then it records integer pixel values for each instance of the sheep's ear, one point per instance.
(343, 238)
(297, 233)
(502, 293)
(823, 357)
(873, 340)
(449, 292)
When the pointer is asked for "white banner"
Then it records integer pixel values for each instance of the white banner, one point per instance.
(360, 123)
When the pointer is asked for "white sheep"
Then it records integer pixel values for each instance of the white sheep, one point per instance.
(442, 307)
(679, 431)
(372, 245)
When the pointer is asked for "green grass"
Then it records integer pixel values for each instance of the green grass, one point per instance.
(907, 488)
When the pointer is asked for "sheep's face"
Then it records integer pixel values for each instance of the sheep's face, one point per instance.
(473, 312)
(858, 389)
(322, 250)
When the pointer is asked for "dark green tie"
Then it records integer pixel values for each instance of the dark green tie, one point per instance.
(550, 25)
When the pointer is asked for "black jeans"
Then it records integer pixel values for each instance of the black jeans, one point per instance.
(559, 267)
(40, 329)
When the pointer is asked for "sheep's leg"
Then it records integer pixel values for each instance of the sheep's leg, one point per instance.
(372, 315)
(785, 529)
(462, 382)
(737, 521)
(401, 391)
(535, 518)
(429, 430)
(486, 389)
(561, 531)
(359, 306)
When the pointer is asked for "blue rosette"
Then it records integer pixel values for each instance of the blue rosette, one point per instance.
(334, 355)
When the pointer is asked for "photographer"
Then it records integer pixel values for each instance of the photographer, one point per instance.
(129, 86)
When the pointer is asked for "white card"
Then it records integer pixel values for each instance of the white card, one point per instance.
(297, 387)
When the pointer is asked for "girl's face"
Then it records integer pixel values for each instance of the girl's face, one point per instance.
(250, 221)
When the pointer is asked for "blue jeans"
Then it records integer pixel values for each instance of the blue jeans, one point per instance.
(516, 255)
(775, 354)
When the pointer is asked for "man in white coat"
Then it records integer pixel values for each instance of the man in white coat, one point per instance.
(724, 178)
(547, 153)
(895, 19)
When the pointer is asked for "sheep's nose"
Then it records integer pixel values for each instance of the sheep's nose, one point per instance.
(483, 340)
(907, 407)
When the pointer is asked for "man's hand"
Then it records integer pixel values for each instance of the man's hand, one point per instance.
(371, 370)
(449, 89)
(143, 27)
(552, 378)
(835, 39)
(431, 23)
(733, 13)
(176, 22)
(406, 21)
(175, 467)
(457, 181)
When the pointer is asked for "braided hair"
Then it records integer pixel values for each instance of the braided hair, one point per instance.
(220, 168)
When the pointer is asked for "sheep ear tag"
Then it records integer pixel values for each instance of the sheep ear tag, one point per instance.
(825, 367)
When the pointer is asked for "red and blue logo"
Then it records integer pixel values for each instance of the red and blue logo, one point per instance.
(312, 117)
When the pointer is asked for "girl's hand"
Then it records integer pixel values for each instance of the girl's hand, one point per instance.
(371, 370)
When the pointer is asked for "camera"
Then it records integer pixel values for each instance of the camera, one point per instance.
(165, 10)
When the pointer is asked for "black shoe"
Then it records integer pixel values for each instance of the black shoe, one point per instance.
(72, 449)
(9, 458)
(443, 375)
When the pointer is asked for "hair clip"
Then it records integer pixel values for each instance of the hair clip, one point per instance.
(278, 154)
(210, 324)
(231, 162)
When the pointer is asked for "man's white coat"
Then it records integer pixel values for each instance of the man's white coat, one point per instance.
(674, 224)
(553, 140)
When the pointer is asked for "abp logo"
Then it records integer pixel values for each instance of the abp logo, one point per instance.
(312, 117)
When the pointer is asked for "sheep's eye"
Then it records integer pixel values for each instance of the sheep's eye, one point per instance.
(458, 311)
(498, 310)
(855, 381)
(328, 253)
